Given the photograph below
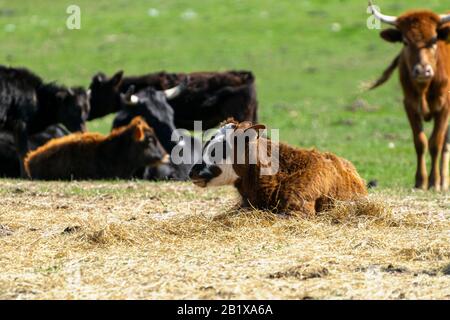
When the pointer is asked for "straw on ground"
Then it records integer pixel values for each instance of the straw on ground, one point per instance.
(171, 240)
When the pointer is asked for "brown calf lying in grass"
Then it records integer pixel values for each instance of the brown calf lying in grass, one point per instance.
(281, 178)
(94, 156)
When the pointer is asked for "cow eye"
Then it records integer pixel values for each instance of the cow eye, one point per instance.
(433, 42)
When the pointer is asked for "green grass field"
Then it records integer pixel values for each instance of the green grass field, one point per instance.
(309, 57)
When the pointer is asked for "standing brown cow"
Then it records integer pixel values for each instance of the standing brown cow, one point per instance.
(424, 65)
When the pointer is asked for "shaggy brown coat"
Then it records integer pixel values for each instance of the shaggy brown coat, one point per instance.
(95, 156)
(307, 181)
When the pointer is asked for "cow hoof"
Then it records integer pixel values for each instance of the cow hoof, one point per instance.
(435, 187)
(421, 186)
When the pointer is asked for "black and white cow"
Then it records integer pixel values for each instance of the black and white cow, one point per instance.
(152, 105)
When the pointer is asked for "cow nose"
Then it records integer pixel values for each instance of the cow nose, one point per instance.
(200, 171)
(429, 71)
(191, 174)
(423, 71)
(195, 171)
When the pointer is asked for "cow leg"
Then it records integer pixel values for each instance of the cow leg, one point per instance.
(309, 209)
(21, 141)
(437, 140)
(445, 162)
(420, 144)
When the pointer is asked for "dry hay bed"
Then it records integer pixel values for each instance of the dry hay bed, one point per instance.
(141, 240)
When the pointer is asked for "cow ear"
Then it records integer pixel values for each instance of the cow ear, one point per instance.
(244, 125)
(258, 128)
(116, 80)
(249, 130)
(391, 35)
(98, 78)
(444, 33)
(139, 133)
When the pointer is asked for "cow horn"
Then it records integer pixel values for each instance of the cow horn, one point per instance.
(445, 18)
(176, 91)
(382, 17)
(134, 99)
(173, 92)
(129, 96)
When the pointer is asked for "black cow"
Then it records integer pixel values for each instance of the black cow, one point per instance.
(152, 105)
(28, 106)
(105, 95)
(9, 162)
(210, 97)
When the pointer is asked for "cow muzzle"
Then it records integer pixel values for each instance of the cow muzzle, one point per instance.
(422, 73)
(201, 174)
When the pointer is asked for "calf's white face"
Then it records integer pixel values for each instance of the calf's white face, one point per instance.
(216, 168)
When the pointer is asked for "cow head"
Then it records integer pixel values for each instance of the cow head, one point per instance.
(145, 149)
(153, 106)
(73, 108)
(104, 94)
(420, 32)
(221, 154)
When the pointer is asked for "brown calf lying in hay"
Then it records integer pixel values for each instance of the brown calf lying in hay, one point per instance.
(281, 178)
(94, 156)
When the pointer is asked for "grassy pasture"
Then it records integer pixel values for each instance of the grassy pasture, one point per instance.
(309, 57)
(113, 239)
